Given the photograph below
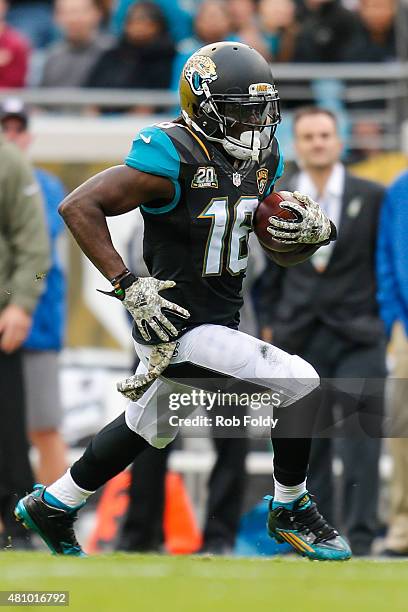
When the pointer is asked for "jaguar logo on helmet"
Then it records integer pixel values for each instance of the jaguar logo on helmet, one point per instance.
(198, 70)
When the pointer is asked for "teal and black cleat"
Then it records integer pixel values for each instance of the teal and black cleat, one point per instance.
(53, 523)
(302, 526)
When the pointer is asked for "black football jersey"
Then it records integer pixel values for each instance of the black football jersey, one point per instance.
(200, 239)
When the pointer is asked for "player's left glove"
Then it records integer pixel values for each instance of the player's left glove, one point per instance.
(134, 386)
(311, 226)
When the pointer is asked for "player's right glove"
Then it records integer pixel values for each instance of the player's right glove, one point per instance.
(312, 226)
(134, 386)
(140, 296)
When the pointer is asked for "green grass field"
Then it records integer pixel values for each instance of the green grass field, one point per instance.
(202, 584)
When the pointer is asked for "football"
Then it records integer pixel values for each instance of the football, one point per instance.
(270, 207)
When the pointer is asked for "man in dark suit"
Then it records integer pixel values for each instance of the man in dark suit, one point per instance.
(326, 311)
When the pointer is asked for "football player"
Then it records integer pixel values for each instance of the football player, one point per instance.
(198, 181)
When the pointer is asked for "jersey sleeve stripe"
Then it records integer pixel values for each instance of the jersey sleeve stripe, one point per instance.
(200, 142)
(167, 207)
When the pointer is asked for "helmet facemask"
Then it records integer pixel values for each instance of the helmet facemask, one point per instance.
(244, 124)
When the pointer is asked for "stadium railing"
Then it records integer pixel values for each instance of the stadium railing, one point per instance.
(361, 91)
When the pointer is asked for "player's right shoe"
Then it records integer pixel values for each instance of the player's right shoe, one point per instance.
(302, 526)
(52, 523)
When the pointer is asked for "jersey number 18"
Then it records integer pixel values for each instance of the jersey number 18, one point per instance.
(225, 235)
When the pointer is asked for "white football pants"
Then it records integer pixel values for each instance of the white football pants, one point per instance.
(208, 350)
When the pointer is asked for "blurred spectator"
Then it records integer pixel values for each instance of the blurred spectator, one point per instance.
(326, 30)
(392, 265)
(106, 8)
(368, 135)
(40, 355)
(212, 24)
(179, 15)
(374, 39)
(14, 53)
(142, 58)
(244, 23)
(325, 310)
(279, 28)
(69, 61)
(23, 264)
(243, 15)
(33, 19)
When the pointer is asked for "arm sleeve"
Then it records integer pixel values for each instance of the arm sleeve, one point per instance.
(153, 152)
(27, 231)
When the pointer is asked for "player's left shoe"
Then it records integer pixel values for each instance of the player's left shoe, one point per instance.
(302, 526)
(53, 524)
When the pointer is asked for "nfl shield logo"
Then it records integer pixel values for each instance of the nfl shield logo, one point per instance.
(236, 179)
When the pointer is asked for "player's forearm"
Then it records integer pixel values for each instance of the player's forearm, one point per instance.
(302, 253)
(87, 223)
(114, 191)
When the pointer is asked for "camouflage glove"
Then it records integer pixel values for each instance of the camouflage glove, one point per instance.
(311, 226)
(135, 386)
(143, 302)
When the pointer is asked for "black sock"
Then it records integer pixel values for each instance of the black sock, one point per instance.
(291, 454)
(108, 454)
(291, 460)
